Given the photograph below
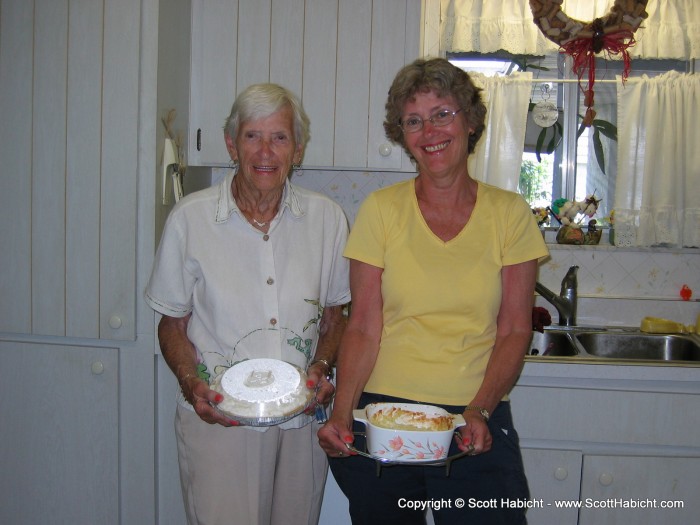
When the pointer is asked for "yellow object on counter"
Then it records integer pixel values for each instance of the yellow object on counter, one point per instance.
(656, 325)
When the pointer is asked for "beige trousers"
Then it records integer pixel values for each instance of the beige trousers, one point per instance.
(233, 475)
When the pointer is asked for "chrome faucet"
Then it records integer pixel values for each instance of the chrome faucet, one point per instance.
(565, 302)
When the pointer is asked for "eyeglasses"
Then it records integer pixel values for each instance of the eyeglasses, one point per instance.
(441, 117)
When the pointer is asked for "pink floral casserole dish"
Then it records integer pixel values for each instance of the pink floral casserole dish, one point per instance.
(407, 432)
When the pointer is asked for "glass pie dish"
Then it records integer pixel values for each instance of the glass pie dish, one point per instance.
(263, 392)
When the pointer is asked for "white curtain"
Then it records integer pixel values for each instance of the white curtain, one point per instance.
(499, 152)
(658, 181)
(672, 29)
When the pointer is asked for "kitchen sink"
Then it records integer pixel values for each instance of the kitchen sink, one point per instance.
(613, 343)
(553, 343)
(640, 345)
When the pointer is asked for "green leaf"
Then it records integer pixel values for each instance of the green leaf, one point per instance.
(606, 128)
(540, 142)
(559, 129)
(556, 136)
(553, 143)
(598, 148)
(581, 128)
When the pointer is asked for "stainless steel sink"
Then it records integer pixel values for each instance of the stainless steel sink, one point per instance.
(613, 343)
(553, 343)
(640, 345)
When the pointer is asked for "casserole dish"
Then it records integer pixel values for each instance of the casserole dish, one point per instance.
(420, 433)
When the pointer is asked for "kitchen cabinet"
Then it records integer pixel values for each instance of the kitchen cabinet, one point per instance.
(608, 437)
(60, 446)
(553, 475)
(569, 487)
(69, 78)
(339, 56)
(639, 489)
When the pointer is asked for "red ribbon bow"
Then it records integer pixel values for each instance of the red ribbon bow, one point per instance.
(584, 50)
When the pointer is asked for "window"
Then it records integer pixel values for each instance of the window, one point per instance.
(566, 159)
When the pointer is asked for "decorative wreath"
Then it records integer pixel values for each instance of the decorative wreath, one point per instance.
(612, 33)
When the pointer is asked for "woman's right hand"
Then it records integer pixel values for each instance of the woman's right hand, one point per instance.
(335, 435)
(201, 397)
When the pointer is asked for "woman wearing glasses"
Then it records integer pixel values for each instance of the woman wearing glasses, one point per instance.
(442, 277)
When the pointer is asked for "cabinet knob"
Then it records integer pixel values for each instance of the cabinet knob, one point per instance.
(605, 479)
(385, 149)
(560, 473)
(115, 322)
(97, 368)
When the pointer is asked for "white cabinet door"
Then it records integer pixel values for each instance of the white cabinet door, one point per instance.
(395, 41)
(236, 43)
(60, 448)
(214, 56)
(339, 56)
(69, 79)
(639, 489)
(554, 477)
(319, 79)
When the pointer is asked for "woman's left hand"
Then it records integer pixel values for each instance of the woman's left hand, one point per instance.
(475, 433)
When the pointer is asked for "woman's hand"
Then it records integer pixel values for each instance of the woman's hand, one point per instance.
(335, 435)
(200, 396)
(319, 377)
(474, 434)
(319, 380)
(179, 352)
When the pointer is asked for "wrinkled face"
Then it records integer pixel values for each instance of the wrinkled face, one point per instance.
(266, 149)
(437, 150)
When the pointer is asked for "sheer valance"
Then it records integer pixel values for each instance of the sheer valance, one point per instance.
(671, 31)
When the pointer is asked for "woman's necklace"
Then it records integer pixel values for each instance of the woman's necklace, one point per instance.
(245, 205)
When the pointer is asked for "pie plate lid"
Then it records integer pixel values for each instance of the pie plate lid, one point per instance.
(263, 392)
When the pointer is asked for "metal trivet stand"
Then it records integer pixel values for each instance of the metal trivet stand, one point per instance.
(384, 462)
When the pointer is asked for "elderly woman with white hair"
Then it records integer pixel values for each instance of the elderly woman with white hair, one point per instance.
(251, 268)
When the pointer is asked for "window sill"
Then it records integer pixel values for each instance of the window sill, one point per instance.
(604, 247)
(550, 234)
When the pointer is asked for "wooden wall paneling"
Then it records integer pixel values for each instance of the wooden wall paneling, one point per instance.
(430, 30)
(49, 167)
(318, 92)
(83, 145)
(16, 74)
(120, 98)
(352, 88)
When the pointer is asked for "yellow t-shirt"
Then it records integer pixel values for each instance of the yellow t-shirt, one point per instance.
(440, 298)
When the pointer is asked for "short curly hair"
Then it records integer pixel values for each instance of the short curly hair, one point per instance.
(445, 79)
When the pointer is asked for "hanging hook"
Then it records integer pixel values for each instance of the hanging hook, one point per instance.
(545, 88)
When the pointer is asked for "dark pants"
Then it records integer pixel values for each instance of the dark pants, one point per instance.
(483, 489)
